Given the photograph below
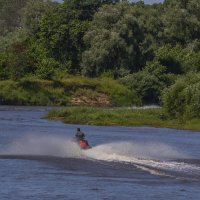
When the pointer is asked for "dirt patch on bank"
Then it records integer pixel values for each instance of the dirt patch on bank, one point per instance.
(99, 99)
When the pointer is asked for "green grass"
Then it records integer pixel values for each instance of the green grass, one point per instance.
(33, 91)
(119, 117)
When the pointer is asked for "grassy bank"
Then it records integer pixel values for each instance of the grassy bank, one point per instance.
(120, 117)
(74, 90)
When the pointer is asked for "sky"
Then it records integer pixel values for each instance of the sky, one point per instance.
(145, 1)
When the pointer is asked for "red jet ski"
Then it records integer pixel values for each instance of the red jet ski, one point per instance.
(84, 144)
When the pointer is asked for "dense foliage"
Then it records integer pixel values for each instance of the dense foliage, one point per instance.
(145, 47)
(182, 100)
(149, 82)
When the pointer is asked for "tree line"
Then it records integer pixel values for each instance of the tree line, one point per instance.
(152, 49)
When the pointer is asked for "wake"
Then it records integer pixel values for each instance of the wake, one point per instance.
(157, 158)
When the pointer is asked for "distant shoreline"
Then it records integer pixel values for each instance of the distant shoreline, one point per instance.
(152, 117)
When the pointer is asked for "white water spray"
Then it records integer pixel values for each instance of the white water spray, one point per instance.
(64, 147)
(44, 146)
(134, 150)
(150, 155)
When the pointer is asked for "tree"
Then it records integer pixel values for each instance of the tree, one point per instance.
(88, 7)
(10, 12)
(150, 20)
(18, 62)
(112, 40)
(33, 12)
(182, 21)
(27, 57)
(62, 30)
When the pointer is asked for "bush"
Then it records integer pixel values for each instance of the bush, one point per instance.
(182, 100)
(47, 68)
(149, 83)
(4, 73)
(119, 94)
(178, 59)
(32, 92)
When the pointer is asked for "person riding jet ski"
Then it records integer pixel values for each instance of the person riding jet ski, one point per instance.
(80, 139)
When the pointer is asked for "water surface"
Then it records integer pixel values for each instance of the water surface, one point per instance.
(38, 160)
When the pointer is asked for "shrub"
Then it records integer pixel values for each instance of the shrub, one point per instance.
(4, 73)
(182, 100)
(149, 83)
(178, 59)
(119, 94)
(32, 92)
(47, 68)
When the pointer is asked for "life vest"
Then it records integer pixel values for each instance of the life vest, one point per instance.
(83, 144)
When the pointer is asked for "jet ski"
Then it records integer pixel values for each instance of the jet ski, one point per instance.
(83, 144)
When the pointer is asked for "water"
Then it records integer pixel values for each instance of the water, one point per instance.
(39, 161)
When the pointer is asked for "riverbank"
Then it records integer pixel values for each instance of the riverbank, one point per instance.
(70, 91)
(120, 117)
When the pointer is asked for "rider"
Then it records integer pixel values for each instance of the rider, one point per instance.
(79, 135)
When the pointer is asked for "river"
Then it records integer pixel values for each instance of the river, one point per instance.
(40, 161)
